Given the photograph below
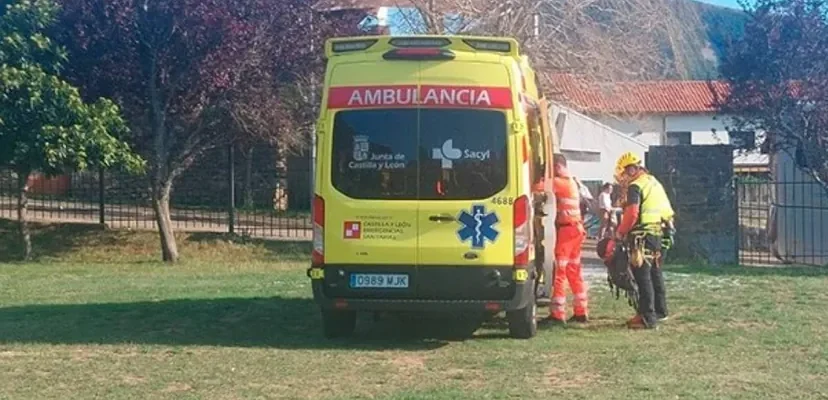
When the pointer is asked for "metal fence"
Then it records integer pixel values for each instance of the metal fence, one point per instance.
(782, 222)
(250, 191)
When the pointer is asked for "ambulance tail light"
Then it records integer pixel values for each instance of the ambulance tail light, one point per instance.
(417, 53)
(318, 254)
(522, 230)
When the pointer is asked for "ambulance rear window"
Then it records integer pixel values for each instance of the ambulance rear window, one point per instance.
(375, 154)
(463, 154)
(426, 154)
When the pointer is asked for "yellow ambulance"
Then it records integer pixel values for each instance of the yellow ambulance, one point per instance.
(431, 163)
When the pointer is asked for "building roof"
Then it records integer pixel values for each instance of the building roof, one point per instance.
(635, 97)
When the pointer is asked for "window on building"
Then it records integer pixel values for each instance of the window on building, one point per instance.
(677, 138)
(745, 140)
(560, 122)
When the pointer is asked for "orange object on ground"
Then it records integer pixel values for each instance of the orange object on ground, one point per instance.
(570, 238)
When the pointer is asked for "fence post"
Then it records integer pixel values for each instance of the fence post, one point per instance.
(231, 181)
(101, 197)
(737, 209)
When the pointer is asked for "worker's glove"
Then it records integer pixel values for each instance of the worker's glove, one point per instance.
(668, 237)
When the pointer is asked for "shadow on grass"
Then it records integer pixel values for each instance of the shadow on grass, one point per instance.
(285, 323)
(730, 270)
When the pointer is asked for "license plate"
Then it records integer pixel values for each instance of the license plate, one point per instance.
(379, 281)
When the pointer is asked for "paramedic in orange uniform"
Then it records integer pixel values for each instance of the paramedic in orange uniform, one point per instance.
(570, 238)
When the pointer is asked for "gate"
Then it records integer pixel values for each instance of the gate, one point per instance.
(782, 220)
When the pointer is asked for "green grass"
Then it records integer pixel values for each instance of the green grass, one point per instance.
(235, 321)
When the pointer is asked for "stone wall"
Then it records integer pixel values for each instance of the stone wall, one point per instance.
(699, 182)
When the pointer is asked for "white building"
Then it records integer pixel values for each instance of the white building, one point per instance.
(659, 113)
(591, 147)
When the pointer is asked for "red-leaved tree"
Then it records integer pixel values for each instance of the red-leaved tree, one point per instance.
(778, 78)
(179, 68)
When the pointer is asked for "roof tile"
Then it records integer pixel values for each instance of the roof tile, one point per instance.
(635, 97)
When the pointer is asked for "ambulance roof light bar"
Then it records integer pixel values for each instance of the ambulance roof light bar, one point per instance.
(419, 42)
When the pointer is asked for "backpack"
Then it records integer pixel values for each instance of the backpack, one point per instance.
(619, 274)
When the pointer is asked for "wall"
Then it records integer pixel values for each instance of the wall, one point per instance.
(649, 126)
(584, 135)
(701, 126)
(698, 181)
(652, 126)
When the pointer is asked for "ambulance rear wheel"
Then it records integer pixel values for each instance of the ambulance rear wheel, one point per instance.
(523, 323)
(338, 324)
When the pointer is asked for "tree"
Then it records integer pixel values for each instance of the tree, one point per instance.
(177, 67)
(778, 80)
(279, 103)
(603, 40)
(167, 63)
(44, 124)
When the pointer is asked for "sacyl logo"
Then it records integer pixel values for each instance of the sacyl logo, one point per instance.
(448, 154)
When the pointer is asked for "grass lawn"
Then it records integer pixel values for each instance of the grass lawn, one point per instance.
(96, 317)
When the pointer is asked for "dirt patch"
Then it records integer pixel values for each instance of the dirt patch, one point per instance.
(177, 388)
(556, 378)
(132, 380)
(408, 363)
(751, 325)
(691, 327)
(466, 377)
(84, 355)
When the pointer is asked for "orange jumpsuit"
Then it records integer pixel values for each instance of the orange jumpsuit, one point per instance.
(570, 238)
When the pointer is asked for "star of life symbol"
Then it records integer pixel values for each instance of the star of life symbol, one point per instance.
(361, 147)
(447, 154)
(478, 226)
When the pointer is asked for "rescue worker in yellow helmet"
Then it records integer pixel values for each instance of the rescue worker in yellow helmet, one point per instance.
(646, 210)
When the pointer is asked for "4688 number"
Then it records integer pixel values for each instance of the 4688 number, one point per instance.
(503, 201)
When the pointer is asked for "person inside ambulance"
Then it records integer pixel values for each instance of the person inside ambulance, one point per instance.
(647, 215)
(570, 237)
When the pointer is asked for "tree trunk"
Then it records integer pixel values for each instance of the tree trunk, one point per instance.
(161, 204)
(22, 217)
(161, 178)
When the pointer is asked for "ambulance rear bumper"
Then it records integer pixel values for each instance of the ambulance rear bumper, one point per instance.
(428, 289)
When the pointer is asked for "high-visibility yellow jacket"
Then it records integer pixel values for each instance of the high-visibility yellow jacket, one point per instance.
(647, 206)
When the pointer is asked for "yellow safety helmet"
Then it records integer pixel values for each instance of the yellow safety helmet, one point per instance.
(626, 159)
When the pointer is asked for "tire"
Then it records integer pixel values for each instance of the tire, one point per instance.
(338, 324)
(523, 323)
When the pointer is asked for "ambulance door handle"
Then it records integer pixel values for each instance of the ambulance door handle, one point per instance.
(441, 218)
